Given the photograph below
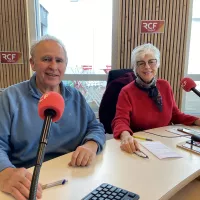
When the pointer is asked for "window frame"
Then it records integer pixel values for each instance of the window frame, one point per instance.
(34, 30)
(195, 77)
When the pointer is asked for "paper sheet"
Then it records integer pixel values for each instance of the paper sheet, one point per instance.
(175, 131)
(160, 150)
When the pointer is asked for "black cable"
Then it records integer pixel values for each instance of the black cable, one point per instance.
(187, 136)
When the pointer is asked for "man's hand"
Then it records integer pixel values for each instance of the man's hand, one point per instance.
(17, 182)
(84, 155)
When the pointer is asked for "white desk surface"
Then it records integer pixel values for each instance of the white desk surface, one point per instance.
(152, 179)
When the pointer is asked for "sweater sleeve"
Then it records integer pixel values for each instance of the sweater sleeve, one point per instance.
(95, 130)
(121, 122)
(179, 117)
(5, 126)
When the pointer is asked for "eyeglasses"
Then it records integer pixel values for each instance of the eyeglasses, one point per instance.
(151, 63)
(141, 154)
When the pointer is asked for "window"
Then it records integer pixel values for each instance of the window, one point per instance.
(191, 101)
(43, 20)
(85, 27)
(194, 40)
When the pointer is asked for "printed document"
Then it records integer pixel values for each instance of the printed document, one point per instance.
(160, 150)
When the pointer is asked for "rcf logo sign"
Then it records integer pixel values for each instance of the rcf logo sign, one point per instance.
(10, 57)
(152, 26)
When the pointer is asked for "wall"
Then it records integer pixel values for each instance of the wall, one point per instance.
(14, 37)
(172, 43)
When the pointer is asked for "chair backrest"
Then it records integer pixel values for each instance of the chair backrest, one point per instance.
(116, 73)
(116, 81)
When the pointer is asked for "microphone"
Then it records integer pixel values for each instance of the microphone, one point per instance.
(195, 138)
(188, 84)
(50, 109)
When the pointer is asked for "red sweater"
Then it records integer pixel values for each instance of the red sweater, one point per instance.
(136, 111)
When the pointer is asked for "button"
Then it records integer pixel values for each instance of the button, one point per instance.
(104, 185)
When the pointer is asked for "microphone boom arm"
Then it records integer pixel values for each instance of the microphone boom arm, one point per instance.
(196, 91)
(41, 152)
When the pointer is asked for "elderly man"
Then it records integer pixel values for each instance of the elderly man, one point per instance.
(20, 126)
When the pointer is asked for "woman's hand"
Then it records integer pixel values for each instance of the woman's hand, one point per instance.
(197, 122)
(128, 143)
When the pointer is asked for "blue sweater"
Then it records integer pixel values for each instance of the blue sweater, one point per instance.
(20, 125)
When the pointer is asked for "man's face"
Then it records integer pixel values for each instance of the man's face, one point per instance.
(49, 62)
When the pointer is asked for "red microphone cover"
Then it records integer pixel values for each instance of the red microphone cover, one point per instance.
(54, 101)
(187, 84)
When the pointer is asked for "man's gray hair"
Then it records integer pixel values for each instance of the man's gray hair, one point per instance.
(47, 38)
(140, 51)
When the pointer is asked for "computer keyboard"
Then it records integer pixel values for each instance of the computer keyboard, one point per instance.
(107, 192)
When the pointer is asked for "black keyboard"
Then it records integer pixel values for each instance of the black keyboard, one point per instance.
(107, 192)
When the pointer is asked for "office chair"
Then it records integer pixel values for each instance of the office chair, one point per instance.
(117, 79)
(116, 73)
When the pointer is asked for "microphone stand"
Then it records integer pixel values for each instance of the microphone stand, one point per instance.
(49, 114)
(196, 91)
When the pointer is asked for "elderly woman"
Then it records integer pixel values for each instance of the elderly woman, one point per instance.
(147, 102)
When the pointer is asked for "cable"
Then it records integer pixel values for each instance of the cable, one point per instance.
(187, 136)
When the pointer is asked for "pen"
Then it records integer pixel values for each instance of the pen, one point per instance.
(142, 138)
(49, 185)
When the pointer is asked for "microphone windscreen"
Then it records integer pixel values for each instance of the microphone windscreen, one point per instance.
(53, 101)
(187, 84)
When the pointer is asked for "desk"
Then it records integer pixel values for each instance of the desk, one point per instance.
(152, 179)
(189, 192)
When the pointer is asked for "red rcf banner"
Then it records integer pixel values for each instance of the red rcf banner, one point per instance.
(10, 57)
(152, 26)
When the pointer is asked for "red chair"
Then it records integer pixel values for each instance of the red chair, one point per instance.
(86, 67)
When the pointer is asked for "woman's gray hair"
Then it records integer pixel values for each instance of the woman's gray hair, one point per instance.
(47, 38)
(140, 51)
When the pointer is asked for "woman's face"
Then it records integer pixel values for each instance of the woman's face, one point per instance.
(147, 67)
